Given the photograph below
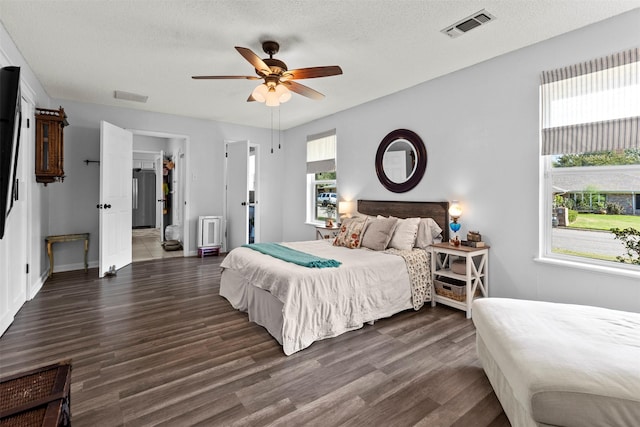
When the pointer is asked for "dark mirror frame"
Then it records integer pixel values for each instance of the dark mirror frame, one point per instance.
(421, 160)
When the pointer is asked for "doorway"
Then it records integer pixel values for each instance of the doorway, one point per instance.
(124, 237)
(158, 197)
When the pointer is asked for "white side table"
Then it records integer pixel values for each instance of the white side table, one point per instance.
(323, 232)
(476, 278)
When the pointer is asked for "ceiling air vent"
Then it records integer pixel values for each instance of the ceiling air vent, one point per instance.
(129, 96)
(468, 23)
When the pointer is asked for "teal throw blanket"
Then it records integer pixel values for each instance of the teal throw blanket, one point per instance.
(291, 255)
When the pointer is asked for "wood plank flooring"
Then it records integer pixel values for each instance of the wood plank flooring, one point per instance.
(157, 345)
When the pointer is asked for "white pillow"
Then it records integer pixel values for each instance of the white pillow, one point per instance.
(428, 233)
(404, 236)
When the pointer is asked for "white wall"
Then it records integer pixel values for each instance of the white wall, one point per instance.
(149, 143)
(73, 203)
(38, 203)
(480, 127)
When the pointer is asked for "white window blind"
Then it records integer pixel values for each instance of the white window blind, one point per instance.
(321, 152)
(592, 106)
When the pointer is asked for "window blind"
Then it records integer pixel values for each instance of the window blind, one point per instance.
(592, 106)
(321, 152)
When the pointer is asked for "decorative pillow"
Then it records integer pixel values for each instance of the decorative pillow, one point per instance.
(349, 234)
(378, 232)
(428, 233)
(404, 236)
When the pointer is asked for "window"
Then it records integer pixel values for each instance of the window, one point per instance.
(590, 146)
(321, 177)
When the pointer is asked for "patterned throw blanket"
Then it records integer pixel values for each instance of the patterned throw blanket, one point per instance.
(291, 255)
(419, 266)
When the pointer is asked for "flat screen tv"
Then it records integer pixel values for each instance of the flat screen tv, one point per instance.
(10, 116)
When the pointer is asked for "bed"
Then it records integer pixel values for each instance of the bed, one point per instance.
(299, 305)
(560, 364)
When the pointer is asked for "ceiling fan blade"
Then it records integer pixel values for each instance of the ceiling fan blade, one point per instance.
(251, 98)
(226, 77)
(311, 72)
(303, 90)
(254, 60)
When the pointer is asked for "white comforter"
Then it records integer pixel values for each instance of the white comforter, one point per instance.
(325, 302)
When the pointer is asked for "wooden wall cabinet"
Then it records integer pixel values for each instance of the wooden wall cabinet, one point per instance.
(50, 145)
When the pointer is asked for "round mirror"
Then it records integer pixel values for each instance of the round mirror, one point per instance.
(401, 160)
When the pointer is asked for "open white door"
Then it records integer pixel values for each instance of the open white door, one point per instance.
(237, 194)
(116, 163)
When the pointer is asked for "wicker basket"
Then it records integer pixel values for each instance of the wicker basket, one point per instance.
(452, 289)
(39, 397)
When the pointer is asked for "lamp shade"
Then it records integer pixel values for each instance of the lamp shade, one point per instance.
(345, 208)
(283, 93)
(260, 93)
(455, 210)
(272, 99)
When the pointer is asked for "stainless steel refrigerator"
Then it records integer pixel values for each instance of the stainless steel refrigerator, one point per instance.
(144, 199)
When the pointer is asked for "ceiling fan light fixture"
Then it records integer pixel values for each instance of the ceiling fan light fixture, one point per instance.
(272, 99)
(283, 93)
(260, 93)
(279, 81)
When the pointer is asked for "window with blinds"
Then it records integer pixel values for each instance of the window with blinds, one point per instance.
(590, 149)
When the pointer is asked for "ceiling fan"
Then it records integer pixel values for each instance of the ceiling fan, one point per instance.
(278, 79)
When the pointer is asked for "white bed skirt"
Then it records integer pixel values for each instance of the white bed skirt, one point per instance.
(262, 307)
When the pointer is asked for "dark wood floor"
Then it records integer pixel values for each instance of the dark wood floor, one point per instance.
(156, 345)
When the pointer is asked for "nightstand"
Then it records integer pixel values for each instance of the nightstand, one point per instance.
(323, 232)
(458, 289)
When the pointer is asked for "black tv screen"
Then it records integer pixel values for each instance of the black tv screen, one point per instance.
(10, 117)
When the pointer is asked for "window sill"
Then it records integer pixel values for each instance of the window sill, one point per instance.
(605, 269)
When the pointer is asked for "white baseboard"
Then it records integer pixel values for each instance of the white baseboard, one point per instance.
(5, 322)
(73, 267)
(35, 287)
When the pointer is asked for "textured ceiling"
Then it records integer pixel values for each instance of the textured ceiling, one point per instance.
(85, 50)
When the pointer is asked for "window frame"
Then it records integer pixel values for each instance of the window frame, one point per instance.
(594, 129)
(312, 182)
(546, 206)
(312, 197)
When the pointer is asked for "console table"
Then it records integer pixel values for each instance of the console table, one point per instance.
(50, 240)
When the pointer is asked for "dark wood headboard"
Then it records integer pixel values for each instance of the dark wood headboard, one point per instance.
(439, 211)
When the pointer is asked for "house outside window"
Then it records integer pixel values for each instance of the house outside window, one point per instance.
(590, 150)
(322, 192)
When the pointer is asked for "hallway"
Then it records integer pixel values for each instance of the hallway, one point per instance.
(146, 245)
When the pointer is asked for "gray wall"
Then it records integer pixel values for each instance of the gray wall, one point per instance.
(73, 203)
(480, 127)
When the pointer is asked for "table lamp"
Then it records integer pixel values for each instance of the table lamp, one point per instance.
(455, 212)
(345, 208)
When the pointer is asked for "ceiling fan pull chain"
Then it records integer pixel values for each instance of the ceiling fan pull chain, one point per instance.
(271, 130)
(279, 130)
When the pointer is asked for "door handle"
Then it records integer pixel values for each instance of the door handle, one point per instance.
(244, 203)
(107, 206)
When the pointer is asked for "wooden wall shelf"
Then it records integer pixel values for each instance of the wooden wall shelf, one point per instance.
(50, 145)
